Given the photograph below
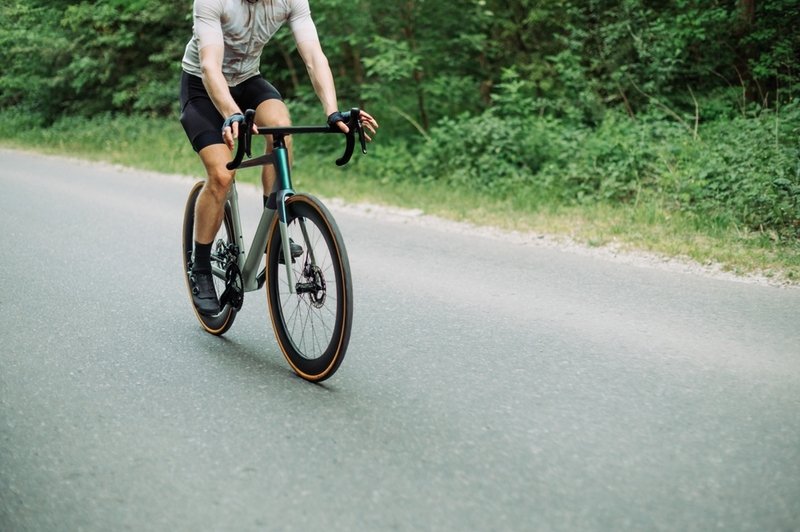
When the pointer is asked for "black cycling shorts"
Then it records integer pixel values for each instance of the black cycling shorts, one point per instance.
(200, 118)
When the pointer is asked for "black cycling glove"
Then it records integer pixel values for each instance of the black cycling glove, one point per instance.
(236, 117)
(336, 117)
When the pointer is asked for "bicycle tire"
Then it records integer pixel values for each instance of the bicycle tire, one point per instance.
(220, 323)
(312, 327)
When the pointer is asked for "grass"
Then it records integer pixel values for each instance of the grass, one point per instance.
(160, 145)
(646, 227)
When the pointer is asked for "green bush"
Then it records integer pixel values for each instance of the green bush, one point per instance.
(614, 162)
(487, 152)
(742, 171)
(746, 171)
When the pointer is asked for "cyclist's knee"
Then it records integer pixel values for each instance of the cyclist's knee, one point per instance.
(219, 181)
(214, 158)
(277, 120)
(273, 113)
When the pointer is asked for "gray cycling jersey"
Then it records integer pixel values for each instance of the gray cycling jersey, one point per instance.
(243, 28)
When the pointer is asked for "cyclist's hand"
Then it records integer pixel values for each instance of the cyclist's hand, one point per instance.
(338, 118)
(367, 121)
(230, 129)
(370, 125)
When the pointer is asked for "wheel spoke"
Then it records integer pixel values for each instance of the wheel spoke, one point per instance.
(309, 327)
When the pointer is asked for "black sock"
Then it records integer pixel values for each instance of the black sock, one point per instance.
(270, 202)
(202, 258)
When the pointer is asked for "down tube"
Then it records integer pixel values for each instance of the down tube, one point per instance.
(250, 270)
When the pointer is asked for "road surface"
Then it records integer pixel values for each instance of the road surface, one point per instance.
(489, 385)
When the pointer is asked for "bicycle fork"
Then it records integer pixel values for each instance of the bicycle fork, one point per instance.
(284, 229)
(281, 161)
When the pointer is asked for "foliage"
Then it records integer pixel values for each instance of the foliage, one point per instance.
(746, 172)
(91, 57)
(30, 63)
(691, 103)
(740, 172)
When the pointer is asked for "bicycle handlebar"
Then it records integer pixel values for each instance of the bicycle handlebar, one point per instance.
(352, 119)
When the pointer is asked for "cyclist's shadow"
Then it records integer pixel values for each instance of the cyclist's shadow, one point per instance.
(264, 360)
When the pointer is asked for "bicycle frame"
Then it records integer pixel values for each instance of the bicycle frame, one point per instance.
(248, 262)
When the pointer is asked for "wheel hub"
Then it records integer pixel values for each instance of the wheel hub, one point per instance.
(314, 285)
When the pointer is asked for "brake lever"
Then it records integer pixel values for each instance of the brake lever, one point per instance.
(348, 150)
(249, 119)
(361, 136)
(244, 140)
(354, 125)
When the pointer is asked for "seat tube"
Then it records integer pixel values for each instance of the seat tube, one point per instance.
(233, 201)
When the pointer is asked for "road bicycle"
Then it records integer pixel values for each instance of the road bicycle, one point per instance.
(310, 296)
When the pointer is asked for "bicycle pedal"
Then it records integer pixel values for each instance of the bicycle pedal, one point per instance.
(295, 250)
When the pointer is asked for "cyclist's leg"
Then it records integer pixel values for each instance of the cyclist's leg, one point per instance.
(211, 202)
(273, 113)
(257, 93)
(203, 288)
(208, 215)
(203, 125)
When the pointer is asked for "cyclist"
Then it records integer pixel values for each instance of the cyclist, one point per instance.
(220, 79)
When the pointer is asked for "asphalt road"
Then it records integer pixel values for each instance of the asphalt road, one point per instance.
(488, 386)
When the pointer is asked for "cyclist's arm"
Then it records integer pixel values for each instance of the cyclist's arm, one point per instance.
(305, 35)
(217, 88)
(214, 81)
(321, 77)
(207, 16)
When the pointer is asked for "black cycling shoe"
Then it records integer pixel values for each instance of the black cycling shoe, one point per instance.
(295, 249)
(203, 293)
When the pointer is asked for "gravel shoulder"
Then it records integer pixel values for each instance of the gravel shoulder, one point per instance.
(610, 252)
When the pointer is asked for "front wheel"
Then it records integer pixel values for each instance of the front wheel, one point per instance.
(313, 324)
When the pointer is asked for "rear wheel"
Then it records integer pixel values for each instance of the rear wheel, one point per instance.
(312, 325)
(221, 322)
